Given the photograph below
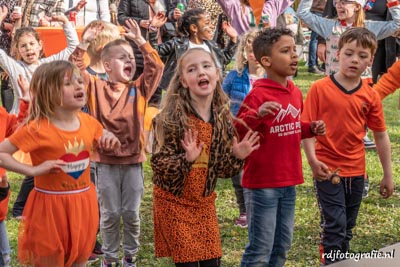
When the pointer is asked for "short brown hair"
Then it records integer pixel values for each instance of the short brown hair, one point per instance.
(105, 53)
(362, 36)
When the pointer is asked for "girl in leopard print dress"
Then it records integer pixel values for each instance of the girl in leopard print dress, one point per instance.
(195, 143)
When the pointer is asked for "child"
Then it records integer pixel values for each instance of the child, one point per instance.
(242, 16)
(8, 123)
(29, 50)
(237, 85)
(350, 14)
(194, 145)
(389, 81)
(273, 109)
(196, 29)
(60, 211)
(345, 95)
(119, 104)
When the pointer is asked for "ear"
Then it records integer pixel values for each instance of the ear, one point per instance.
(183, 82)
(106, 65)
(193, 28)
(266, 61)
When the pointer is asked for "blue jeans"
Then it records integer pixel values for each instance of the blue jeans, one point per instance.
(270, 218)
(4, 246)
(312, 47)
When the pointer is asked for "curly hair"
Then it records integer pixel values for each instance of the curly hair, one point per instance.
(246, 40)
(262, 44)
(191, 16)
(176, 105)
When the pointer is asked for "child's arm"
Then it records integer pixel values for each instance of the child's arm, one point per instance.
(319, 170)
(273, 8)
(153, 67)
(71, 36)
(8, 162)
(322, 26)
(383, 29)
(383, 147)
(108, 141)
(389, 81)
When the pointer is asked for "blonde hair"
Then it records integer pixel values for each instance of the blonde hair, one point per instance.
(246, 40)
(359, 17)
(176, 107)
(110, 32)
(46, 88)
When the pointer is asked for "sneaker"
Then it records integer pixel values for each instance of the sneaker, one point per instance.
(241, 221)
(368, 144)
(97, 249)
(315, 70)
(104, 263)
(92, 259)
(129, 262)
(366, 188)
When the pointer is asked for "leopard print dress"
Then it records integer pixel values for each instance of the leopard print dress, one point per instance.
(186, 227)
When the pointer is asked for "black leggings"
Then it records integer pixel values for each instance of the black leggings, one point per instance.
(206, 263)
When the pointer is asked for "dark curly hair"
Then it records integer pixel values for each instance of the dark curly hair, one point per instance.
(191, 16)
(262, 44)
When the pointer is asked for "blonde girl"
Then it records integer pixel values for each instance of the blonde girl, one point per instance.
(194, 145)
(350, 14)
(57, 225)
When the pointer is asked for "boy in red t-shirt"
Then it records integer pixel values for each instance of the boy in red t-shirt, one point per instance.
(346, 103)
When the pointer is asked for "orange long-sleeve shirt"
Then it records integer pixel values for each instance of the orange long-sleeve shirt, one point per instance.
(389, 82)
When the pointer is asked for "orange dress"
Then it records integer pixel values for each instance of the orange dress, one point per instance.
(186, 227)
(61, 213)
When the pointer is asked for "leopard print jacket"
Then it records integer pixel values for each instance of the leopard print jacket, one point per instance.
(170, 167)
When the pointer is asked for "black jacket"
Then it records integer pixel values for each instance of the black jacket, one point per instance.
(173, 49)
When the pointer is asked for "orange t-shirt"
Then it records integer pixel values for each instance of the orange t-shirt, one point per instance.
(44, 142)
(346, 114)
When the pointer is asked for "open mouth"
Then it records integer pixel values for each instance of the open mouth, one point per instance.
(79, 95)
(128, 70)
(203, 82)
(294, 64)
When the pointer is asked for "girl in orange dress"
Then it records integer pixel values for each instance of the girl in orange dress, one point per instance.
(195, 144)
(56, 229)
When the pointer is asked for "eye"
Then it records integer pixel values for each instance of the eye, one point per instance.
(348, 54)
(206, 66)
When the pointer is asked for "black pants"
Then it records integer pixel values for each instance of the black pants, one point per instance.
(26, 187)
(339, 205)
(7, 94)
(205, 263)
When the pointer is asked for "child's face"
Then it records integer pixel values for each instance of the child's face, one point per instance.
(346, 9)
(205, 30)
(29, 48)
(74, 94)
(354, 59)
(121, 65)
(199, 74)
(283, 60)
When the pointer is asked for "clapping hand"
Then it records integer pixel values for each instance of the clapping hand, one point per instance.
(158, 20)
(249, 143)
(92, 32)
(3, 13)
(189, 144)
(230, 31)
(24, 85)
(268, 108)
(108, 141)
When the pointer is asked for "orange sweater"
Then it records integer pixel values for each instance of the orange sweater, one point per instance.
(389, 82)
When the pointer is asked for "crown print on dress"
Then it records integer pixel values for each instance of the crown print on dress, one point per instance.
(77, 158)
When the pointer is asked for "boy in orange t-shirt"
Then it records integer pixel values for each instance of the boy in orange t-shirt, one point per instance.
(346, 103)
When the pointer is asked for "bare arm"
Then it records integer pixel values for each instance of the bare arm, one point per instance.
(383, 147)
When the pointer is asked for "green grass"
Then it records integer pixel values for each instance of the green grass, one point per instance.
(378, 223)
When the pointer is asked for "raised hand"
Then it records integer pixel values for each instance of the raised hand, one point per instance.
(230, 31)
(80, 5)
(249, 143)
(189, 144)
(133, 32)
(3, 13)
(61, 18)
(268, 108)
(92, 32)
(158, 20)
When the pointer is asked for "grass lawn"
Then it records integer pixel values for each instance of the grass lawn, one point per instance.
(378, 223)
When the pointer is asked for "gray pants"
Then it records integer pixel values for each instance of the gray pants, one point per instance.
(119, 191)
